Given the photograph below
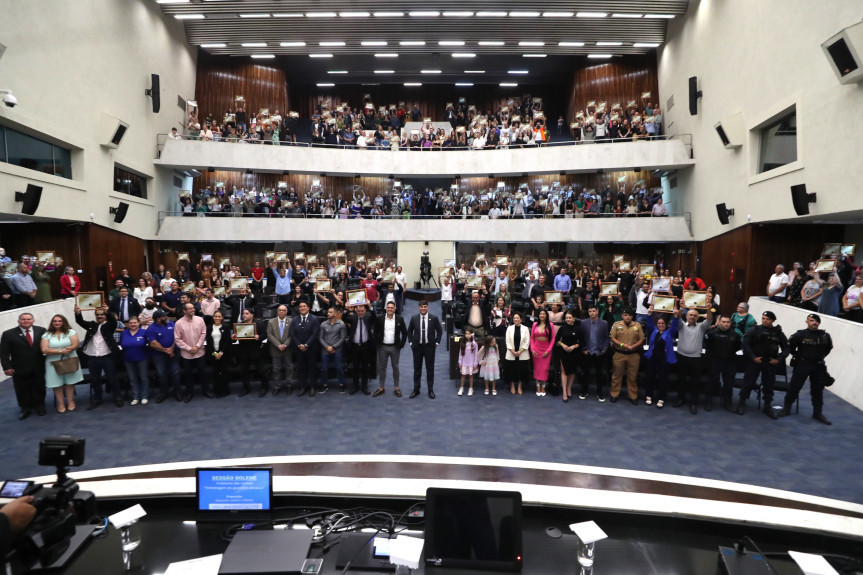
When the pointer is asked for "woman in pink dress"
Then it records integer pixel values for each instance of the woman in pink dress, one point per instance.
(541, 345)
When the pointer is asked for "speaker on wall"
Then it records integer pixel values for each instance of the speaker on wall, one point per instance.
(694, 95)
(723, 214)
(112, 131)
(30, 198)
(120, 212)
(154, 92)
(801, 199)
(844, 52)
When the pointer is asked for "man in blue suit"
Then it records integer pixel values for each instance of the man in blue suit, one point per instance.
(595, 334)
(304, 331)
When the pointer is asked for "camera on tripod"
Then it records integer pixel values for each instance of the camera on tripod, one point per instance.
(425, 269)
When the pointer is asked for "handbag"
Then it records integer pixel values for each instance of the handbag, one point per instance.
(66, 365)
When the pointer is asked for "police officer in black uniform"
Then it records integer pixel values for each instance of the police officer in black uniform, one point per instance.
(766, 347)
(722, 343)
(808, 349)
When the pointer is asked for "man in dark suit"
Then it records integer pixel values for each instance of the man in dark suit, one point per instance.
(279, 340)
(248, 354)
(424, 333)
(101, 351)
(391, 334)
(21, 357)
(239, 303)
(304, 330)
(596, 337)
(477, 313)
(361, 348)
(123, 307)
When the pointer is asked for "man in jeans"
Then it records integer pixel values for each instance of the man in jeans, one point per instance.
(100, 348)
(160, 339)
(190, 332)
(333, 335)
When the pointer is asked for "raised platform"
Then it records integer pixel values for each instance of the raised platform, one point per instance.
(427, 295)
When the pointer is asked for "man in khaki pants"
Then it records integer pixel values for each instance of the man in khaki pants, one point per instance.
(627, 338)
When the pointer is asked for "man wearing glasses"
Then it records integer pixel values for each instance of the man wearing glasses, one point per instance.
(101, 349)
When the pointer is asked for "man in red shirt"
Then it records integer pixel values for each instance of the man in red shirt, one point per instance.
(370, 284)
(257, 278)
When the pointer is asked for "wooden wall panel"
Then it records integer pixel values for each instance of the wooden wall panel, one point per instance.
(614, 82)
(220, 79)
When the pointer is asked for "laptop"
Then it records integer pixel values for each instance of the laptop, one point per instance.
(280, 552)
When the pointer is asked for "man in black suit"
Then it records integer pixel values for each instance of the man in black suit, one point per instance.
(123, 307)
(390, 337)
(595, 335)
(21, 357)
(305, 329)
(361, 348)
(424, 333)
(101, 351)
(477, 313)
(241, 302)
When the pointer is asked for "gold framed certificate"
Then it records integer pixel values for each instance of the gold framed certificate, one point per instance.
(388, 277)
(319, 273)
(473, 282)
(269, 255)
(211, 201)
(11, 268)
(341, 254)
(280, 256)
(312, 259)
(533, 265)
(625, 266)
(331, 254)
(238, 283)
(45, 257)
(219, 291)
(480, 257)
(825, 265)
(695, 299)
(847, 249)
(660, 284)
(450, 263)
(357, 297)
(183, 257)
(502, 260)
(443, 271)
(299, 256)
(245, 330)
(324, 285)
(664, 303)
(341, 268)
(489, 271)
(647, 269)
(552, 297)
(617, 258)
(188, 287)
(224, 262)
(361, 259)
(609, 288)
(90, 300)
(206, 257)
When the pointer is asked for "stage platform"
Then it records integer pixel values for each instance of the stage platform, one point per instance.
(428, 295)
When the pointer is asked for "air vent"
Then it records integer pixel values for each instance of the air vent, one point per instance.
(181, 102)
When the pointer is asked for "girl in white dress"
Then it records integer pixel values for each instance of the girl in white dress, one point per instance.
(489, 361)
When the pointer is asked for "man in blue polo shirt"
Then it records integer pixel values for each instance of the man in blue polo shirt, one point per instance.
(171, 300)
(562, 282)
(166, 359)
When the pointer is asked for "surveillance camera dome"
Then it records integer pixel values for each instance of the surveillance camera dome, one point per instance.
(10, 100)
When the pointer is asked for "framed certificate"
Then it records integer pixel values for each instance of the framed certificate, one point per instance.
(331, 254)
(238, 283)
(480, 257)
(449, 263)
(617, 258)
(609, 288)
(341, 268)
(45, 257)
(661, 284)
(324, 285)
(825, 265)
(206, 257)
(489, 271)
(245, 330)
(319, 273)
(211, 201)
(473, 282)
(341, 254)
(533, 265)
(552, 264)
(224, 262)
(299, 256)
(219, 291)
(357, 297)
(183, 257)
(552, 297)
(847, 249)
(502, 260)
(695, 299)
(90, 300)
(361, 259)
(388, 277)
(268, 255)
(280, 256)
(664, 303)
(625, 266)
(188, 287)
(443, 271)
(11, 268)
(831, 250)
(312, 259)
(647, 269)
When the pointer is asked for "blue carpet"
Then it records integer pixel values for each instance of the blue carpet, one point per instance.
(795, 453)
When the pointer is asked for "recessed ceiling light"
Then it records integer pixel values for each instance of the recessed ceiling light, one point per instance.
(491, 43)
(646, 45)
(474, 71)
(463, 55)
(172, 1)
(412, 43)
(254, 45)
(430, 71)
(214, 45)
(599, 56)
(451, 43)
(189, 16)
(374, 43)
(464, 83)
(321, 14)
(337, 72)
(331, 43)
(254, 15)
(424, 14)
(354, 14)
(263, 56)
(324, 85)
(609, 43)
(458, 14)
(320, 55)
(385, 71)
(518, 71)
(523, 14)
(413, 83)
(625, 15)
(570, 44)
(557, 14)
(389, 14)
(591, 14)
(491, 14)
(288, 15)
(292, 44)
(508, 84)
(534, 55)
(531, 43)
(387, 55)
(665, 16)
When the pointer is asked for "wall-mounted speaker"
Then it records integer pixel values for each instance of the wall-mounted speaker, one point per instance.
(801, 199)
(723, 213)
(112, 131)
(154, 93)
(694, 95)
(844, 52)
(119, 212)
(731, 131)
(30, 199)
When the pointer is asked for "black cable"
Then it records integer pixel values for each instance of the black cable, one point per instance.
(762, 553)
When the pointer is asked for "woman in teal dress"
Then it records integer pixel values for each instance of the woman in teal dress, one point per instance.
(58, 342)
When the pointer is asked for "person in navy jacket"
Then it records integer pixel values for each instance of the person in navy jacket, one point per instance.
(304, 330)
(660, 355)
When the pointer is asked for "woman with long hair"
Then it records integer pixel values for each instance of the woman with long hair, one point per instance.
(58, 342)
(142, 291)
(134, 344)
(568, 341)
(517, 353)
(218, 344)
(541, 345)
(500, 317)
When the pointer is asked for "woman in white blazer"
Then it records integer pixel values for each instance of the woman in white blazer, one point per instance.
(517, 353)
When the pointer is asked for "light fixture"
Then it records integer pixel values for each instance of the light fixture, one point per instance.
(354, 14)
(646, 45)
(557, 14)
(430, 71)
(491, 43)
(508, 85)
(331, 44)
(320, 55)
(189, 16)
(374, 43)
(609, 43)
(451, 43)
(254, 15)
(531, 43)
(464, 84)
(288, 15)
(570, 44)
(254, 45)
(385, 71)
(324, 85)
(517, 72)
(214, 45)
(458, 14)
(387, 55)
(411, 84)
(337, 72)
(263, 56)
(599, 56)
(292, 44)
(321, 14)
(474, 71)
(625, 15)
(591, 14)
(424, 14)
(412, 43)
(389, 14)
(463, 55)
(663, 16)
(491, 14)
(172, 1)
(520, 14)
(533, 55)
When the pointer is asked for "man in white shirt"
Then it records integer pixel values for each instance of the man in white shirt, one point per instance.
(446, 295)
(400, 288)
(390, 335)
(777, 284)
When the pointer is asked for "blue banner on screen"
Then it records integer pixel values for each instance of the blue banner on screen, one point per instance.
(234, 489)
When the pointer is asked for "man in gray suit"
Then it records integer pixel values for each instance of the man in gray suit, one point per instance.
(279, 338)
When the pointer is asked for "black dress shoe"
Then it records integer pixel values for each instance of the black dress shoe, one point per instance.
(210, 395)
(303, 391)
(633, 401)
(693, 408)
(354, 389)
(342, 390)
(179, 397)
(161, 398)
(614, 399)
(25, 413)
(118, 402)
(784, 412)
(366, 389)
(414, 393)
(728, 406)
(40, 411)
(768, 411)
(680, 402)
(187, 398)
(94, 404)
(741, 408)
(820, 417)
(431, 395)
(244, 393)
(263, 391)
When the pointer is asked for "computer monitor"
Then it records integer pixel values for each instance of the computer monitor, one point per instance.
(234, 490)
(472, 529)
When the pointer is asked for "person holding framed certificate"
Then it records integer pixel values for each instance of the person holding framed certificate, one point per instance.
(690, 364)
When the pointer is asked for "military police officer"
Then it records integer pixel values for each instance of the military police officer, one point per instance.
(766, 347)
(808, 349)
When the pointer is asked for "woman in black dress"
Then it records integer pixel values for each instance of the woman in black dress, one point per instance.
(218, 343)
(568, 344)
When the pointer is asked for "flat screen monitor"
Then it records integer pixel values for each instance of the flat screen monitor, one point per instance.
(234, 489)
(472, 529)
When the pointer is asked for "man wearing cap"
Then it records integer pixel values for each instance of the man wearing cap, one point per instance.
(766, 347)
(808, 348)
(627, 337)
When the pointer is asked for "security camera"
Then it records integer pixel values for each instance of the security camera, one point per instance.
(8, 98)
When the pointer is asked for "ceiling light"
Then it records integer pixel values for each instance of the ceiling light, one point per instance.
(451, 43)
(557, 14)
(321, 14)
(288, 15)
(324, 85)
(570, 44)
(518, 71)
(424, 14)
(609, 43)
(665, 16)
(463, 55)
(591, 14)
(412, 43)
(534, 55)
(411, 84)
(189, 16)
(263, 56)
(320, 55)
(430, 71)
(254, 45)
(389, 14)
(214, 45)
(385, 71)
(354, 14)
(337, 72)
(465, 84)
(374, 43)
(331, 44)
(491, 14)
(458, 14)
(172, 1)
(646, 45)
(254, 15)
(508, 85)
(602, 56)
(523, 14)
(625, 15)
(526, 43)
(292, 44)
(386, 55)
(474, 71)
(491, 43)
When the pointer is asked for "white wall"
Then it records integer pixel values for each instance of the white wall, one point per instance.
(756, 58)
(70, 62)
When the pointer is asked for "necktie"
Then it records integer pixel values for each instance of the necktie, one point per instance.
(29, 337)
(124, 311)
(242, 308)
(281, 328)
(423, 330)
(302, 320)
(362, 339)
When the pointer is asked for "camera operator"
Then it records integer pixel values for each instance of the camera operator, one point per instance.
(15, 516)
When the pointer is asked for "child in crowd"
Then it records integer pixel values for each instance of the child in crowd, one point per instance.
(467, 360)
(490, 364)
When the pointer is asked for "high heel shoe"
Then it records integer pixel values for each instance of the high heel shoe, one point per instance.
(71, 407)
(519, 389)
(59, 410)
(512, 388)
